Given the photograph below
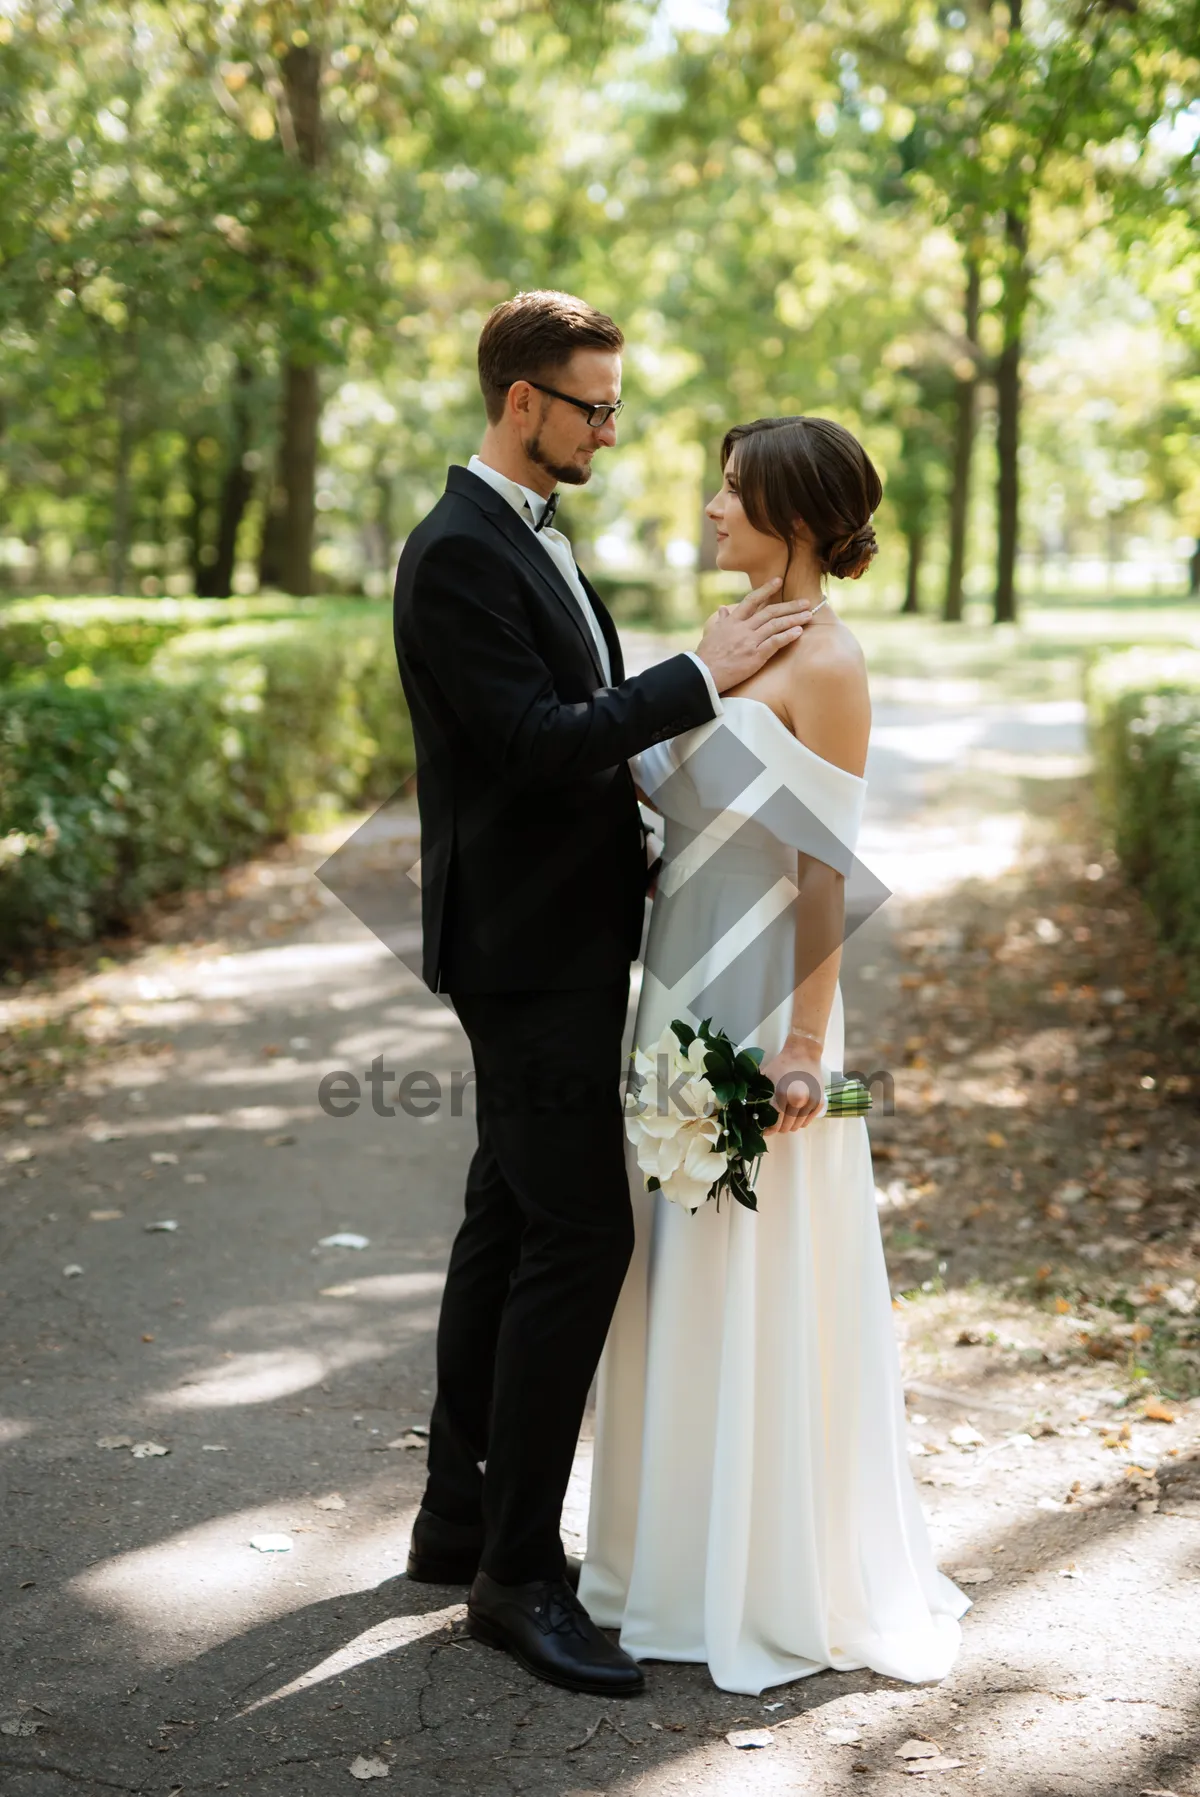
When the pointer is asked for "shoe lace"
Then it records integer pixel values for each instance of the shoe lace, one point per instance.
(561, 1611)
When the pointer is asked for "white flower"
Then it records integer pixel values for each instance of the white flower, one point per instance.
(672, 1120)
(703, 1164)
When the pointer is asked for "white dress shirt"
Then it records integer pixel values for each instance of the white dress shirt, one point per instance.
(530, 506)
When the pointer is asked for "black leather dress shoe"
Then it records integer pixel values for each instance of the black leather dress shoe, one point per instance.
(546, 1628)
(447, 1553)
(443, 1553)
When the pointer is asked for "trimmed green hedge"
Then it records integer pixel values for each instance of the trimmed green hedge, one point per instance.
(1145, 717)
(147, 780)
(62, 638)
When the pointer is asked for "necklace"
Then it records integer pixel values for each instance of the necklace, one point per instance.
(816, 608)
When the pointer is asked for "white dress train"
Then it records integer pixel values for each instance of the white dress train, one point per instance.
(752, 1505)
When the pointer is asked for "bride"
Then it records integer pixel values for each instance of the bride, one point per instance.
(752, 1505)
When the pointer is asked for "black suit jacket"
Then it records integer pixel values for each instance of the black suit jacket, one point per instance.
(533, 869)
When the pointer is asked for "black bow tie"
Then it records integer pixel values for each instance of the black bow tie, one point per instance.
(548, 512)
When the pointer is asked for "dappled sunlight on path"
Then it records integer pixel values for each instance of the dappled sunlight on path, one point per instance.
(290, 1381)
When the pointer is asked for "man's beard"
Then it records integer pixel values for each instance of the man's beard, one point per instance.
(569, 474)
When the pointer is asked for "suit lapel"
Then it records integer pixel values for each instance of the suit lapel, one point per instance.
(607, 629)
(532, 552)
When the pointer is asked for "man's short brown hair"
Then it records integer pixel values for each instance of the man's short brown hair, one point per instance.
(532, 336)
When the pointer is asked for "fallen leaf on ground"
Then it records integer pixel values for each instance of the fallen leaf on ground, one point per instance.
(843, 1737)
(918, 1750)
(72, 1272)
(148, 1450)
(972, 1575)
(162, 1157)
(965, 1435)
(105, 1216)
(22, 1152)
(410, 1439)
(115, 1441)
(923, 1767)
(163, 1227)
(750, 1737)
(339, 1291)
(213, 1447)
(35, 1120)
(365, 1768)
(335, 1501)
(22, 1725)
(1155, 1411)
(344, 1239)
(273, 1544)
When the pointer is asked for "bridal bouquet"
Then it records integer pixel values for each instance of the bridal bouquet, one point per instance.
(697, 1115)
(696, 1109)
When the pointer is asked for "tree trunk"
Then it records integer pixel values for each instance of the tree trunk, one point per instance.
(123, 484)
(1008, 396)
(384, 534)
(912, 586)
(1008, 419)
(964, 443)
(301, 67)
(298, 470)
(236, 487)
(270, 549)
(195, 522)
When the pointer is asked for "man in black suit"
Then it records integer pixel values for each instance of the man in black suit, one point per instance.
(533, 880)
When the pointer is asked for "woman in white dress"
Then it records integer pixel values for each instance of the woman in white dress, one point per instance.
(752, 1505)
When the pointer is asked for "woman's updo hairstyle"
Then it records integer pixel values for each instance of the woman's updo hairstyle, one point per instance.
(808, 471)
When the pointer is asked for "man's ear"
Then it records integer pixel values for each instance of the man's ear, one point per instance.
(519, 402)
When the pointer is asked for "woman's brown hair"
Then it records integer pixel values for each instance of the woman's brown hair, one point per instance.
(809, 471)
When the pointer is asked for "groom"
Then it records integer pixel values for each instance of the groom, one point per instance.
(533, 879)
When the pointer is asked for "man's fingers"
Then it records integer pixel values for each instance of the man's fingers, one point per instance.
(767, 645)
(797, 610)
(763, 626)
(757, 597)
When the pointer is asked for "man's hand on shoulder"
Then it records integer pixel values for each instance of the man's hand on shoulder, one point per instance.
(739, 639)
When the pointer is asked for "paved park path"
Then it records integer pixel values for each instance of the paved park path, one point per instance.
(191, 1380)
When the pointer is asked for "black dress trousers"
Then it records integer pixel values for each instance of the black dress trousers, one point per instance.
(536, 1268)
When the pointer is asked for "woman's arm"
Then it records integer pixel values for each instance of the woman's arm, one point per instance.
(830, 712)
(820, 921)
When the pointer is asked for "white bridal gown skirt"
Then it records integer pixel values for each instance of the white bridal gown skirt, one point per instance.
(752, 1505)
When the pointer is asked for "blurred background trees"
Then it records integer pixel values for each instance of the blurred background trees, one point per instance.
(246, 247)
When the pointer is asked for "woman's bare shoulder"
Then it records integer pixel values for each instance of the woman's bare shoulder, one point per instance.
(828, 699)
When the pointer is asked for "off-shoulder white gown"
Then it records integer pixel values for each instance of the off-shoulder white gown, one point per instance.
(752, 1505)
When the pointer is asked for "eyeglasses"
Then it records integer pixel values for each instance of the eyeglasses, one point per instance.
(596, 415)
